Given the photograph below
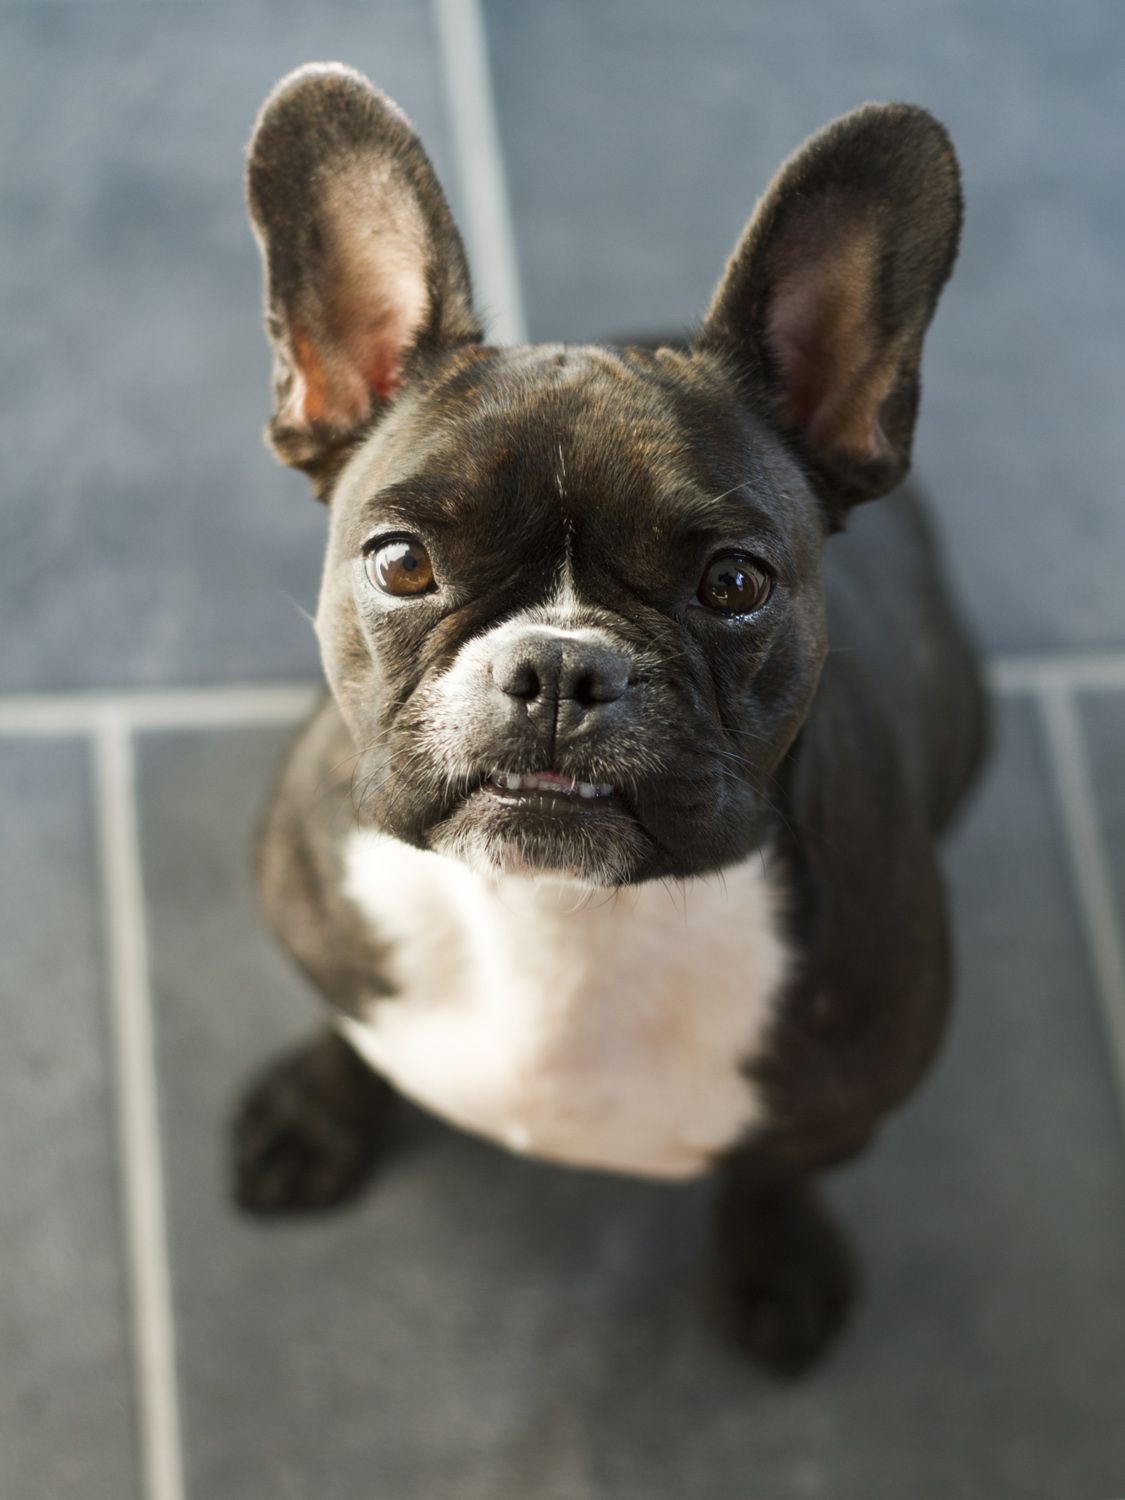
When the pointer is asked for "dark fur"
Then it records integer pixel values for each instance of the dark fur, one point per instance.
(796, 400)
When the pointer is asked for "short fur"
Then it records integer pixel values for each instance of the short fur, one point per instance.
(571, 1028)
(570, 500)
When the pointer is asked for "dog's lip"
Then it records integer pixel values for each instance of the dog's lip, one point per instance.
(554, 785)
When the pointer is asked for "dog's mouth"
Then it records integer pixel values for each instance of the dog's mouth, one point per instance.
(551, 789)
(545, 822)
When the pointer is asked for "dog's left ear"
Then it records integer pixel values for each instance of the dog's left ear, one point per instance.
(825, 301)
(364, 268)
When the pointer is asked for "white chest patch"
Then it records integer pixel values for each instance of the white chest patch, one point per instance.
(601, 1029)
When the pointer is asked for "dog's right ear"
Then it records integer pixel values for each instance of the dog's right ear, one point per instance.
(364, 268)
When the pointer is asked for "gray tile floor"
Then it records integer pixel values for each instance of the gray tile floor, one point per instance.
(481, 1328)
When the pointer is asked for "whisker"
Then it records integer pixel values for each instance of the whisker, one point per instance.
(300, 608)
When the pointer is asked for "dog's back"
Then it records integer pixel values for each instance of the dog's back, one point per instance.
(890, 607)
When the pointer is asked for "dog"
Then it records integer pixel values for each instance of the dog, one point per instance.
(614, 841)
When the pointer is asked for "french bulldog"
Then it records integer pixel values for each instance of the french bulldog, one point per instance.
(614, 841)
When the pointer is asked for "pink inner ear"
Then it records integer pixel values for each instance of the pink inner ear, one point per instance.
(791, 331)
(337, 373)
(384, 377)
(819, 329)
(379, 347)
(368, 312)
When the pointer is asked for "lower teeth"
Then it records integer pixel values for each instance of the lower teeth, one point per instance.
(584, 789)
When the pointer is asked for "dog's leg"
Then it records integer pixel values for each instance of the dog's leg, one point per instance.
(785, 1277)
(310, 1130)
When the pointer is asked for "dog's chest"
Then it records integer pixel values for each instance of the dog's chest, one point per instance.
(601, 1029)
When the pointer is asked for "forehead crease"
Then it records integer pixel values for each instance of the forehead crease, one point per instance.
(693, 507)
(437, 501)
(566, 442)
(625, 432)
(551, 428)
(560, 379)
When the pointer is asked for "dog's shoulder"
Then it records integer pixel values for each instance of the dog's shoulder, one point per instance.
(300, 866)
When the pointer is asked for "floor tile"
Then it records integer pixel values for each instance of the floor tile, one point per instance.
(482, 1328)
(66, 1397)
(146, 535)
(638, 138)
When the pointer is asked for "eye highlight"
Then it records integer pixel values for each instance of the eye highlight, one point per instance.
(400, 566)
(734, 584)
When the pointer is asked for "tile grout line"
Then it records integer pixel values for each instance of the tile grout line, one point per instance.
(49, 714)
(138, 1126)
(463, 49)
(1089, 867)
(1038, 672)
(243, 705)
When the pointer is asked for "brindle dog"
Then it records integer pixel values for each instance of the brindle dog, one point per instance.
(614, 840)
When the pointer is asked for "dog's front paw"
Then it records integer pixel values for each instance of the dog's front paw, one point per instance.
(786, 1281)
(309, 1131)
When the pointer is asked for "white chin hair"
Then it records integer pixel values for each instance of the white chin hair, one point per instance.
(494, 857)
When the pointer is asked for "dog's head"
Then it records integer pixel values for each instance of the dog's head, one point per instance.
(572, 607)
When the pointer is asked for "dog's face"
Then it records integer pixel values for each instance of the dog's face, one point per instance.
(572, 606)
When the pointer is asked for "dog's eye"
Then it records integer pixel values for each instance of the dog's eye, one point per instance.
(401, 567)
(734, 584)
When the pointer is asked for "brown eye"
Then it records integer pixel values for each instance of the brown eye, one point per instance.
(401, 567)
(734, 584)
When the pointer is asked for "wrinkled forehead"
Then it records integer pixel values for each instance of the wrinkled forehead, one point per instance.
(558, 441)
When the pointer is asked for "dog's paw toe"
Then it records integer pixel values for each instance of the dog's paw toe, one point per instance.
(299, 1146)
(290, 1161)
(783, 1304)
(786, 1324)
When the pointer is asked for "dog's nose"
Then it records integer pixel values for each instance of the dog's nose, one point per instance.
(538, 666)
